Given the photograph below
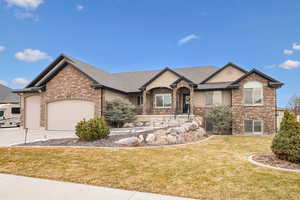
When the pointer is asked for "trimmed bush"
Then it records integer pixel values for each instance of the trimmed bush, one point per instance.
(286, 143)
(221, 118)
(93, 129)
(118, 112)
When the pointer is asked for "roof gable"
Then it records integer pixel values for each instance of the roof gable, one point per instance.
(272, 82)
(160, 74)
(215, 74)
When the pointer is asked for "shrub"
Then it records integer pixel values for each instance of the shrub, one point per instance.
(286, 143)
(118, 112)
(220, 117)
(93, 129)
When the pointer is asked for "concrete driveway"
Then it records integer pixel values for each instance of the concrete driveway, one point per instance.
(9, 136)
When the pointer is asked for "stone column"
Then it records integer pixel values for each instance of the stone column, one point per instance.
(174, 100)
(192, 100)
(144, 102)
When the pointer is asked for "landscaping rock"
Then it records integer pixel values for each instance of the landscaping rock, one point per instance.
(141, 138)
(177, 130)
(171, 139)
(131, 141)
(128, 125)
(139, 124)
(147, 123)
(150, 138)
(173, 122)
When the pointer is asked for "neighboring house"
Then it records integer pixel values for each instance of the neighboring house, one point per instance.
(69, 90)
(280, 115)
(9, 107)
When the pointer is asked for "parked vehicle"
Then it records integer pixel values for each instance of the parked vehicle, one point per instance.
(9, 115)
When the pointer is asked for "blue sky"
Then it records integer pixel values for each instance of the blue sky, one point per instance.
(134, 35)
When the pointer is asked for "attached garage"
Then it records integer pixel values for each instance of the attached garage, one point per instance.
(64, 115)
(32, 112)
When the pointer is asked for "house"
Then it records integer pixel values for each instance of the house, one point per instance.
(69, 90)
(9, 107)
(279, 116)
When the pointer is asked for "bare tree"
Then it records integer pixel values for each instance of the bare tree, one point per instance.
(294, 104)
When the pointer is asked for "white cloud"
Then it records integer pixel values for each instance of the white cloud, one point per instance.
(20, 81)
(288, 51)
(26, 15)
(79, 7)
(25, 3)
(187, 38)
(30, 55)
(296, 46)
(290, 64)
(2, 82)
(2, 48)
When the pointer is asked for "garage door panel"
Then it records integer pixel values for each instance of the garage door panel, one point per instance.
(64, 115)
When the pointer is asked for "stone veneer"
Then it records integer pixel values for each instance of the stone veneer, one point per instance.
(266, 112)
(68, 84)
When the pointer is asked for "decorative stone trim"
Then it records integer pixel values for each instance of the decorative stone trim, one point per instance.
(250, 159)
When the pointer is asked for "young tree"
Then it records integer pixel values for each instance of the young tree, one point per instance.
(119, 112)
(221, 118)
(286, 144)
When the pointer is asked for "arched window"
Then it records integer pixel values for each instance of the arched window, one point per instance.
(253, 93)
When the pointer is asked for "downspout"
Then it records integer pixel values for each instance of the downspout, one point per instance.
(276, 111)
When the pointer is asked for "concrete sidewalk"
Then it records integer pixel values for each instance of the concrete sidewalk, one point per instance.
(19, 187)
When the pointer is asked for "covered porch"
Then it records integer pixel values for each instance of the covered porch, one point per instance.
(174, 100)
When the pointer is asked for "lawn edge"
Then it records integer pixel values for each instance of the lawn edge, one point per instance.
(250, 159)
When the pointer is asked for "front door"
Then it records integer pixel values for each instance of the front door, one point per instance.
(186, 103)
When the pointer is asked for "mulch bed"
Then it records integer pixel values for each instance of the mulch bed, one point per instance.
(272, 160)
(105, 142)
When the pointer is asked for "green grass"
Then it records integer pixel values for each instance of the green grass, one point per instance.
(214, 169)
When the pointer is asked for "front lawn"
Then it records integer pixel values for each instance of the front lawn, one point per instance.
(213, 169)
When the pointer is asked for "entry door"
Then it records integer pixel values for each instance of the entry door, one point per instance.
(186, 103)
(33, 112)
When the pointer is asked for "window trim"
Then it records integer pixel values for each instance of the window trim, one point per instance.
(261, 87)
(253, 122)
(163, 96)
(139, 100)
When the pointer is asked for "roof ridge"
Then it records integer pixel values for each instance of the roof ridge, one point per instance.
(173, 68)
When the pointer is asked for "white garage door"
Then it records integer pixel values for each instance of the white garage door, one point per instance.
(33, 112)
(64, 115)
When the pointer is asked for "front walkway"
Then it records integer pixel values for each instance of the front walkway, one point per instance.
(18, 187)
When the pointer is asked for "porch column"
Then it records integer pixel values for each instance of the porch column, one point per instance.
(144, 102)
(192, 100)
(174, 100)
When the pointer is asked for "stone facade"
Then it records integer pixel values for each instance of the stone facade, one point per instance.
(68, 84)
(266, 112)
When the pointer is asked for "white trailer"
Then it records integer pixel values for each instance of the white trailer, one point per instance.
(9, 115)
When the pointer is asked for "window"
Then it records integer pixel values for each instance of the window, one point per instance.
(209, 126)
(213, 98)
(1, 113)
(253, 93)
(139, 100)
(15, 110)
(163, 101)
(253, 126)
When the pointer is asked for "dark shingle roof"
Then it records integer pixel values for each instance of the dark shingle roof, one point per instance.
(6, 95)
(211, 86)
(126, 81)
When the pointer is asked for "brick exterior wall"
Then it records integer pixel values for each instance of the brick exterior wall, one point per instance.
(68, 84)
(266, 112)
